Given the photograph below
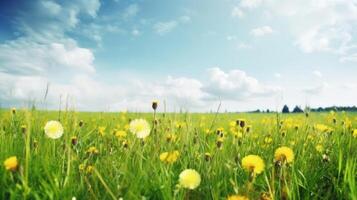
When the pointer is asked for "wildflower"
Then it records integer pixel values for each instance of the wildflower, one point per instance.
(208, 156)
(89, 169)
(125, 144)
(92, 150)
(354, 134)
(219, 142)
(268, 140)
(170, 138)
(241, 122)
(101, 130)
(283, 154)
(140, 128)
(322, 128)
(283, 133)
(237, 197)
(154, 105)
(253, 164)
(81, 167)
(74, 140)
(265, 196)
(169, 157)
(207, 131)
(53, 129)
(80, 124)
(319, 148)
(325, 158)
(190, 179)
(11, 163)
(238, 134)
(248, 128)
(23, 129)
(219, 131)
(120, 134)
(232, 124)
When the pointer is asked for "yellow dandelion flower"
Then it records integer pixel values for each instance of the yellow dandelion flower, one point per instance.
(11, 163)
(237, 197)
(190, 179)
(120, 134)
(253, 163)
(268, 140)
(238, 134)
(170, 137)
(169, 157)
(140, 128)
(354, 134)
(319, 148)
(89, 169)
(92, 150)
(81, 167)
(101, 130)
(207, 131)
(53, 129)
(284, 154)
(232, 124)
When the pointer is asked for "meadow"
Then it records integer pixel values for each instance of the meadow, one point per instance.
(232, 155)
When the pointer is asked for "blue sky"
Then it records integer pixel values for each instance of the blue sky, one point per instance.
(117, 55)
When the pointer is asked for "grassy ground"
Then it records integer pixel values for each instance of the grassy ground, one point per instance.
(126, 167)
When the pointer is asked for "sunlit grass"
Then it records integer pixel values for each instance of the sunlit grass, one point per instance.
(98, 156)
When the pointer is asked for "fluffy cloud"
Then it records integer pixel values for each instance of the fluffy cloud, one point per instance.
(84, 92)
(236, 84)
(261, 31)
(250, 3)
(27, 57)
(329, 27)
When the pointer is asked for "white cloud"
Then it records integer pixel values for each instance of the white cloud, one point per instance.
(162, 28)
(237, 12)
(26, 56)
(317, 26)
(52, 7)
(49, 19)
(317, 73)
(236, 84)
(131, 11)
(250, 3)
(261, 31)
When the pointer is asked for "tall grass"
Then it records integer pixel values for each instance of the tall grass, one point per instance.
(129, 168)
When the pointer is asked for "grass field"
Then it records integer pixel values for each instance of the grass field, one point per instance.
(98, 156)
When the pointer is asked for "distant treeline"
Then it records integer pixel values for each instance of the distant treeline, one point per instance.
(298, 109)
